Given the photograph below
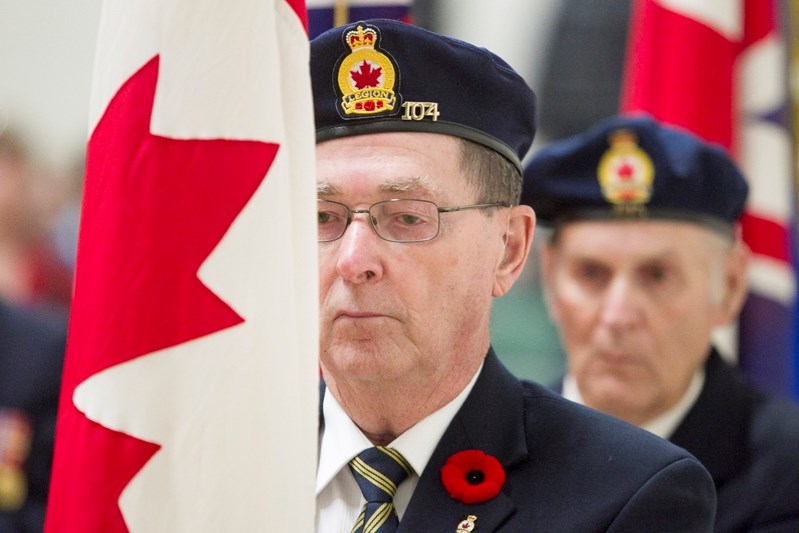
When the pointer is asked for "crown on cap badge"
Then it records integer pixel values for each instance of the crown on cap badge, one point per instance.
(366, 76)
(626, 174)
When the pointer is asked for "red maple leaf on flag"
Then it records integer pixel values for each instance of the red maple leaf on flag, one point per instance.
(154, 209)
(366, 76)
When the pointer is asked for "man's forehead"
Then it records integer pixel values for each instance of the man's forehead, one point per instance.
(404, 139)
(413, 185)
(639, 238)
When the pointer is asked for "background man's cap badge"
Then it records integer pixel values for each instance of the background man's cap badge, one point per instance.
(625, 172)
(366, 76)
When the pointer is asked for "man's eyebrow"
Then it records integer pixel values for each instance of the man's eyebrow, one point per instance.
(327, 189)
(415, 185)
(419, 185)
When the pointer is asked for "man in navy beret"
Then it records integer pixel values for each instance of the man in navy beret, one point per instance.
(419, 143)
(645, 261)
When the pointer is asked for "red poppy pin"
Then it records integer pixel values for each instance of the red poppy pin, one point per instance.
(472, 476)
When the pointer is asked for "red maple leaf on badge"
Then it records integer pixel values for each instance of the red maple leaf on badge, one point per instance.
(625, 171)
(366, 76)
(154, 209)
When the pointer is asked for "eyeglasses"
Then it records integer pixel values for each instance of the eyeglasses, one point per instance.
(396, 220)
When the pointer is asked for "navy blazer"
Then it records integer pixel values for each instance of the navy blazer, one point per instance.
(749, 442)
(31, 359)
(568, 468)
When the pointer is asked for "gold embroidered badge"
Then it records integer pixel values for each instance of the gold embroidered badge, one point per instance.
(366, 76)
(626, 174)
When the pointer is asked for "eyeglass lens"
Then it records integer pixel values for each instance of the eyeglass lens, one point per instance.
(393, 220)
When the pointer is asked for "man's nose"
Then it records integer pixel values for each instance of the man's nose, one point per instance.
(621, 305)
(359, 258)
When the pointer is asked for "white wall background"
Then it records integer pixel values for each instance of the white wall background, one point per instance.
(46, 58)
(516, 30)
(47, 54)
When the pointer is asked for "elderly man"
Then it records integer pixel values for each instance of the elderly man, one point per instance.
(418, 166)
(645, 261)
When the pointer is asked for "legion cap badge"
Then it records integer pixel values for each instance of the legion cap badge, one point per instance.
(626, 174)
(366, 76)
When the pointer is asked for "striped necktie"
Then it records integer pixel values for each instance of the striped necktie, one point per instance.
(378, 471)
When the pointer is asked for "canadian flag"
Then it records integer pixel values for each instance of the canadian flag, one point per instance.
(189, 396)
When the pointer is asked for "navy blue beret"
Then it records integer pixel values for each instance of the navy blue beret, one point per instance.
(384, 75)
(635, 167)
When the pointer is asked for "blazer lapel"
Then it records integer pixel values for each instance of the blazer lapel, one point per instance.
(715, 429)
(490, 420)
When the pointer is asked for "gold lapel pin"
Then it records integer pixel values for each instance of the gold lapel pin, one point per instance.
(466, 525)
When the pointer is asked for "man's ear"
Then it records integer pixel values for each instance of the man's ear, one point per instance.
(517, 239)
(735, 281)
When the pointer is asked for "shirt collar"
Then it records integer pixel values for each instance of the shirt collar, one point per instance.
(342, 439)
(663, 425)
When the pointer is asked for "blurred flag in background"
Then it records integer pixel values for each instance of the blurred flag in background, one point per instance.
(189, 399)
(326, 14)
(718, 68)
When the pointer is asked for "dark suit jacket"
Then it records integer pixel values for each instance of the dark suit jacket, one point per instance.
(749, 442)
(31, 359)
(568, 468)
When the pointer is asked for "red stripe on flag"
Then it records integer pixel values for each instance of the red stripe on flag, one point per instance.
(759, 20)
(680, 71)
(766, 237)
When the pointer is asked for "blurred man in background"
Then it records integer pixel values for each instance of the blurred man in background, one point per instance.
(34, 291)
(645, 261)
(31, 271)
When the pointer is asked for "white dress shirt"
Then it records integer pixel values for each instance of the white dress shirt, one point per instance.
(338, 497)
(663, 425)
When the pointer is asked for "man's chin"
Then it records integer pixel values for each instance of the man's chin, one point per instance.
(361, 358)
(619, 398)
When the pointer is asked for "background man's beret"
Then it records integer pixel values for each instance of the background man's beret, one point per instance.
(383, 75)
(633, 166)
